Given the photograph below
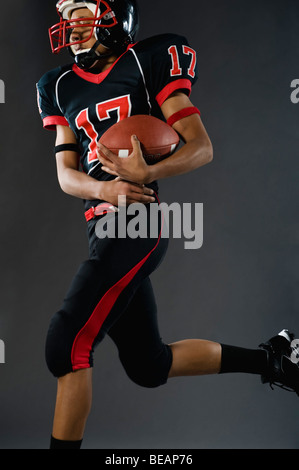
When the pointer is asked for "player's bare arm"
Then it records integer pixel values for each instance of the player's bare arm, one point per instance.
(196, 152)
(81, 185)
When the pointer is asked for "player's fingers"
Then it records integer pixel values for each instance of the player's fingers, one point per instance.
(137, 193)
(141, 197)
(144, 190)
(104, 153)
(105, 161)
(137, 188)
(135, 143)
(141, 189)
(148, 190)
(147, 199)
(108, 170)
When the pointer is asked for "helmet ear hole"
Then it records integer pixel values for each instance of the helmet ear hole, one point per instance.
(123, 33)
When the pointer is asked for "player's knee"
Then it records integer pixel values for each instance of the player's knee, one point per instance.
(148, 372)
(58, 349)
(146, 376)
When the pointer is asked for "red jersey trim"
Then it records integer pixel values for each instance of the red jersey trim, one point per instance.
(92, 77)
(50, 122)
(97, 78)
(171, 87)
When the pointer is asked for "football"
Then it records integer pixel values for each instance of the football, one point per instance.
(158, 140)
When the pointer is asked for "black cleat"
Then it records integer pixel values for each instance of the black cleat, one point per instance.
(282, 361)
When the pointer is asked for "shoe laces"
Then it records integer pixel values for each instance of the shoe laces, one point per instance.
(295, 351)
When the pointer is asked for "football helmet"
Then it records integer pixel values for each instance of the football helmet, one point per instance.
(114, 24)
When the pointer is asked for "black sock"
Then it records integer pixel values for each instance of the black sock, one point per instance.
(59, 444)
(235, 359)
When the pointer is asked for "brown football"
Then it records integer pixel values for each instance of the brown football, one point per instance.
(158, 140)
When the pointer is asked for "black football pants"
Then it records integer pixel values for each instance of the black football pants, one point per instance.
(112, 293)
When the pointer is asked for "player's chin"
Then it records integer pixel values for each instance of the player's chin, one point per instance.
(94, 65)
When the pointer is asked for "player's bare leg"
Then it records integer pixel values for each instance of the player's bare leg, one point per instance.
(277, 360)
(195, 357)
(73, 403)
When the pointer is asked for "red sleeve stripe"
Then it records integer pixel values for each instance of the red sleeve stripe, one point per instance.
(50, 122)
(181, 114)
(182, 83)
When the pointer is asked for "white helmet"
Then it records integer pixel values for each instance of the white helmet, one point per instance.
(65, 7)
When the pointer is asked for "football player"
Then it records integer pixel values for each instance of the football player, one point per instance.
(113, 76)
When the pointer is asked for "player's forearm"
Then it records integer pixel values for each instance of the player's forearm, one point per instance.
(189, 157)
(80, 185)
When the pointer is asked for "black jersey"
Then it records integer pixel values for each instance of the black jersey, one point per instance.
(138, 82)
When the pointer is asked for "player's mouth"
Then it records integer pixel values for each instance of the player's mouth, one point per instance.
(78, 49)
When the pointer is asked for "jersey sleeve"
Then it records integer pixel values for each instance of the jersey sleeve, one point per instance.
(49, 110)
(170, 65)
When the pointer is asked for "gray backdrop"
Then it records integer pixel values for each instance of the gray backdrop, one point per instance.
(240, 288)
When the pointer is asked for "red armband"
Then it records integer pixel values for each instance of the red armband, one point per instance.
(181, 114)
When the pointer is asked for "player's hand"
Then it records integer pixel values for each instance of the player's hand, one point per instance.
(132, 168)
(119, 192)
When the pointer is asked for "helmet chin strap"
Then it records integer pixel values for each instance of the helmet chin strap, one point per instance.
(85, 60)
